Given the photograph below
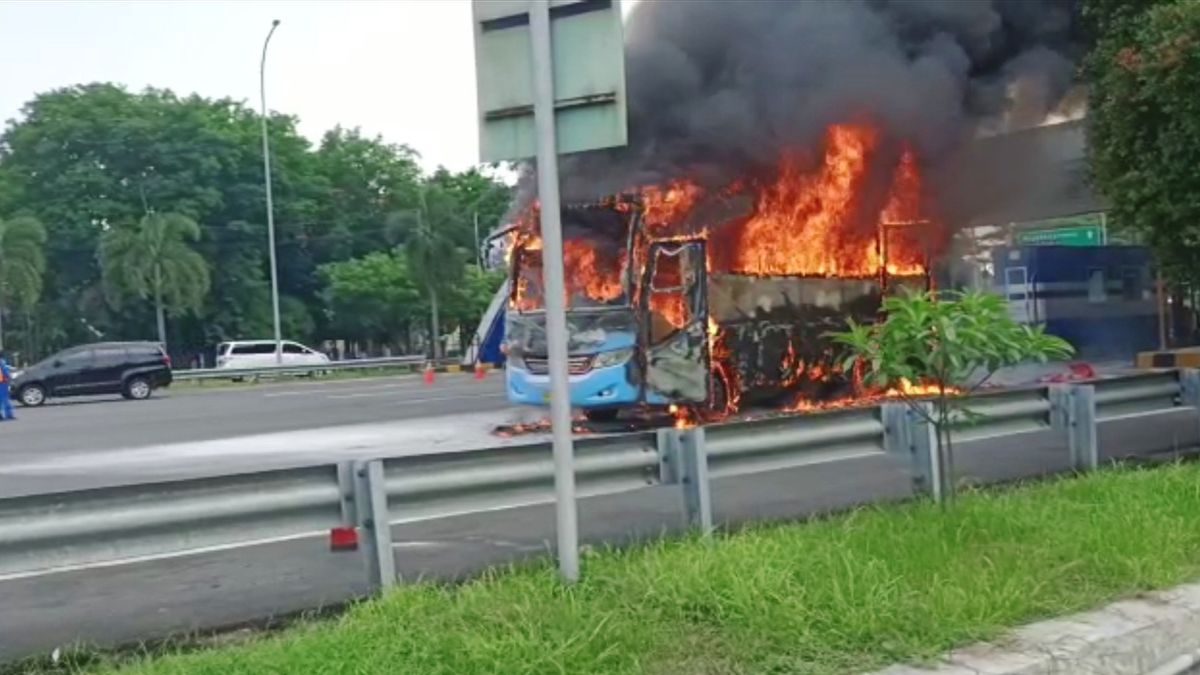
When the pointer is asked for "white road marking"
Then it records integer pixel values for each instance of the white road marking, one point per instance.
(431, 399)
(315, 390)
(288, 448)
(12, 576)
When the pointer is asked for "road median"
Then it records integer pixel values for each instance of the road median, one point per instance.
(848, 593)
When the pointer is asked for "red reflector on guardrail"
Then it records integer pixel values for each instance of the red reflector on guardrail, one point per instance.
(343, 539)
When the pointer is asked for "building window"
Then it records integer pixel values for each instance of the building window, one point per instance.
(1131, 283)
(1096, 290)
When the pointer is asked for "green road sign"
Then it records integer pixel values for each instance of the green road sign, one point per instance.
(1084, 235)
(588, 53)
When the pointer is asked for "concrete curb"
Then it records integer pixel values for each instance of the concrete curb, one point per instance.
(1130, 637)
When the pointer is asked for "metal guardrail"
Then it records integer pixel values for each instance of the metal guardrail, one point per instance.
(68, 529)
(420, 487)
(109, 525)
(1138, 394)
(1005, 412)
(352, 364)
(787, 442)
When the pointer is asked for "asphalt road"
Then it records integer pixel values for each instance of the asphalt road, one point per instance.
(202, 591)
(76, 444)
(193, 414)
(196, 414)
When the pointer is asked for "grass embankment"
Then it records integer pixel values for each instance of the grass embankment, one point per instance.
(848, 593)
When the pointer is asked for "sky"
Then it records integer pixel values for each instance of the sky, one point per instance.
(403, 69)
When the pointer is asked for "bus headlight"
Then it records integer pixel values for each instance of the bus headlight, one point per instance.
(613, 358)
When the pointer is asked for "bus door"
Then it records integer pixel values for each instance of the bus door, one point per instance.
(675, 321)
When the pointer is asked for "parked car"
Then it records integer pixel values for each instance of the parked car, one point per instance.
(131, 369)
(261, 354)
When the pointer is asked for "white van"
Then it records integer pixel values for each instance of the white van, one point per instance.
(261, 354)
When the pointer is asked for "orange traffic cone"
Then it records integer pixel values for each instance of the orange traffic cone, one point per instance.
(428, 376)
(480, 371)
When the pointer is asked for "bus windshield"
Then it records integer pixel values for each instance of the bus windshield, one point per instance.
(595, 262)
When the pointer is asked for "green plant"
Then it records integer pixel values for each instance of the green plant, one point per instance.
(954, 341)
(153, 260)
(22, 264)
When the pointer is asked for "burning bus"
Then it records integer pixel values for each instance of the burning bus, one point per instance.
(686, 297)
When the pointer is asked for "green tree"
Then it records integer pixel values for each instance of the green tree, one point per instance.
(364, 180)
(22, 264)
(87, 158)
(482, 199)
(1144, 125)
(469, 299)
(956, 343)
(371, 298)
(435, 261)
(153, 260)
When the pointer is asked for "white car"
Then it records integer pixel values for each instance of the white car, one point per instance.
(261, 354)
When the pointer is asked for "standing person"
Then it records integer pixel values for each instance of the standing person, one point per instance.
(6, 409)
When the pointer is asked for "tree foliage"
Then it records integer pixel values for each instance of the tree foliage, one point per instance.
(373, 297)
(22, 264)
(22, 261)
(379, 298)
(153, 260)
(88, 159)
(955, 342)
(1144, 125)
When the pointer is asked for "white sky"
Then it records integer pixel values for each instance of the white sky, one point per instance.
(400, 68)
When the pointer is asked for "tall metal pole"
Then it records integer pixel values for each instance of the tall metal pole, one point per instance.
(552, 271)
(262, 89)
(478, 248)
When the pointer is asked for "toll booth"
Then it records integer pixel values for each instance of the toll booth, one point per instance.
(1099, 298)
(485, 347)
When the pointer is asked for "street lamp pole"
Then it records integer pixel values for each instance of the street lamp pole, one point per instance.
(262, 89)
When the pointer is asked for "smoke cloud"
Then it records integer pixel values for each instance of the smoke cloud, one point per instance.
(717, 88)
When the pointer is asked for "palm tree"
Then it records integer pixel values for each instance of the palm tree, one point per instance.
(433, 258)
(22, 264)
(153, 260)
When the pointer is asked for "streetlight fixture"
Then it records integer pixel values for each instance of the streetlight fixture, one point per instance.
(262, 89)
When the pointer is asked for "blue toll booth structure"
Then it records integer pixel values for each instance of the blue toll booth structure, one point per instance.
(1099, 298)
(485, 347)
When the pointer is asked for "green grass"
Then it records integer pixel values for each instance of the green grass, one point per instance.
(848, 593)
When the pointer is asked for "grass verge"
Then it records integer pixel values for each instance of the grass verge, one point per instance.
(848, 593)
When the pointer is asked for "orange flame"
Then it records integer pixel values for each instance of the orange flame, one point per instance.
(902, 389)
(811, 222)
(591, 271)
(664, 206)
(853, 210)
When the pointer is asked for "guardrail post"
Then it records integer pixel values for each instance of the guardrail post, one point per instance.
(345, 477)
(683, 461)
(907, 432)
(1073, 410)
(670, 464)
(371, 505)
(1189, 382)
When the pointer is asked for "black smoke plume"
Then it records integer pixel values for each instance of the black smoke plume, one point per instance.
(716, 88)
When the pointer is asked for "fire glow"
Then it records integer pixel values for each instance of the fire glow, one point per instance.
(852, 210)
(806, 220)
(901, 390)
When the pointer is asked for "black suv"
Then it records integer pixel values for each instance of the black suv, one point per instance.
(131, 369)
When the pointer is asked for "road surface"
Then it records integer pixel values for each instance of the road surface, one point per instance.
(201, 414)
(196, 414)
